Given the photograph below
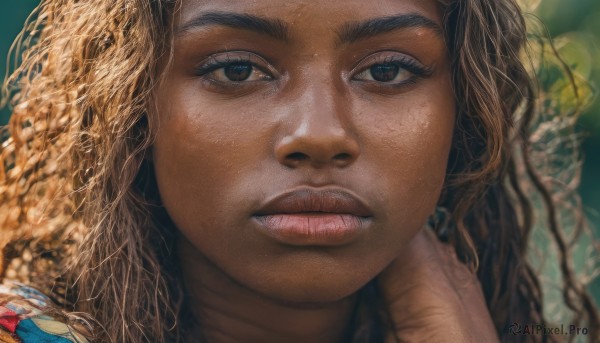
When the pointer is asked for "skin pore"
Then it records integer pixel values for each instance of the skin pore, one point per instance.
(268, 97)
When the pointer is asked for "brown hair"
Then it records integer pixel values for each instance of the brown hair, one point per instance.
(77, 194)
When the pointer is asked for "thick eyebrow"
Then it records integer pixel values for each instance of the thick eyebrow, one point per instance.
(354, 31)
(272, 27)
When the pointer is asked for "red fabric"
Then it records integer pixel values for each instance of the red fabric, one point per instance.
(8, 319)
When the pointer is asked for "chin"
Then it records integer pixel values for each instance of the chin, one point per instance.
(311, 283)
(310, 294)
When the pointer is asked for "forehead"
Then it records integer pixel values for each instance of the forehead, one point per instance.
(301, 14)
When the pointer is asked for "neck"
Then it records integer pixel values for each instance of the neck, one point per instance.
(226, 311)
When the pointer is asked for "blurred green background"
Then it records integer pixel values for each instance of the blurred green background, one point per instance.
(575, 24)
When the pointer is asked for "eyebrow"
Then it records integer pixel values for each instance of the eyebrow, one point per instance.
(355, 31)
(350, 32)
(271, 27)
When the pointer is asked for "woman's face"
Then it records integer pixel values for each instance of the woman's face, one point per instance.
(302, 144)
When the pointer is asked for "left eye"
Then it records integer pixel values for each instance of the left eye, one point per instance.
(384, 72)
(238, 72)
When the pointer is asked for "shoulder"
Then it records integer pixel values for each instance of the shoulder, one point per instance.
(28, 316)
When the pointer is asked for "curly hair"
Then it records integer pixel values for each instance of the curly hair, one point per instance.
(80, 214)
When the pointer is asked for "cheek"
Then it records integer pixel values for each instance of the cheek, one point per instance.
(198, 156)
(407, 143)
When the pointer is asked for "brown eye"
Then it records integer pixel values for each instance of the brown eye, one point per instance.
(238, 72)
(390, 69)
(384, 72)
(236, 68)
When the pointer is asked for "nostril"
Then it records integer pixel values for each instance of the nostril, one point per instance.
(297, 156)
(342, 157)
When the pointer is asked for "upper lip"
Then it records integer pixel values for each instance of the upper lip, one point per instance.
(307, 200)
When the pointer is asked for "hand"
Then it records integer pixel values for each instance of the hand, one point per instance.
(433, 297)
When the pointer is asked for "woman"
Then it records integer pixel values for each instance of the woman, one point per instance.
(218, 171)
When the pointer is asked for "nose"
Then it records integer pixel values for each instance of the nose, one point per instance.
(318, 131)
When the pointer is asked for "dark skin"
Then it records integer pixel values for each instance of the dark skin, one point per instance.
(311, 99)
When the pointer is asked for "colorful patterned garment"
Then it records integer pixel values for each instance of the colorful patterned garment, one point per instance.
(24, 318)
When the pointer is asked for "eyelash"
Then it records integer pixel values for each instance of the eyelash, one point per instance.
(412, 66)
(415, 68)
(409, 64)
(215, 63)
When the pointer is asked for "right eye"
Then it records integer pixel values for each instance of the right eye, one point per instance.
(238, 72)
(234, 68)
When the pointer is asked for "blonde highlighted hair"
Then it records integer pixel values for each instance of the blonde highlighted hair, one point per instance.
(80, 215)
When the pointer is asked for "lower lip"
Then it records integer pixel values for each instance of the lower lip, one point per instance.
(312, 229)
